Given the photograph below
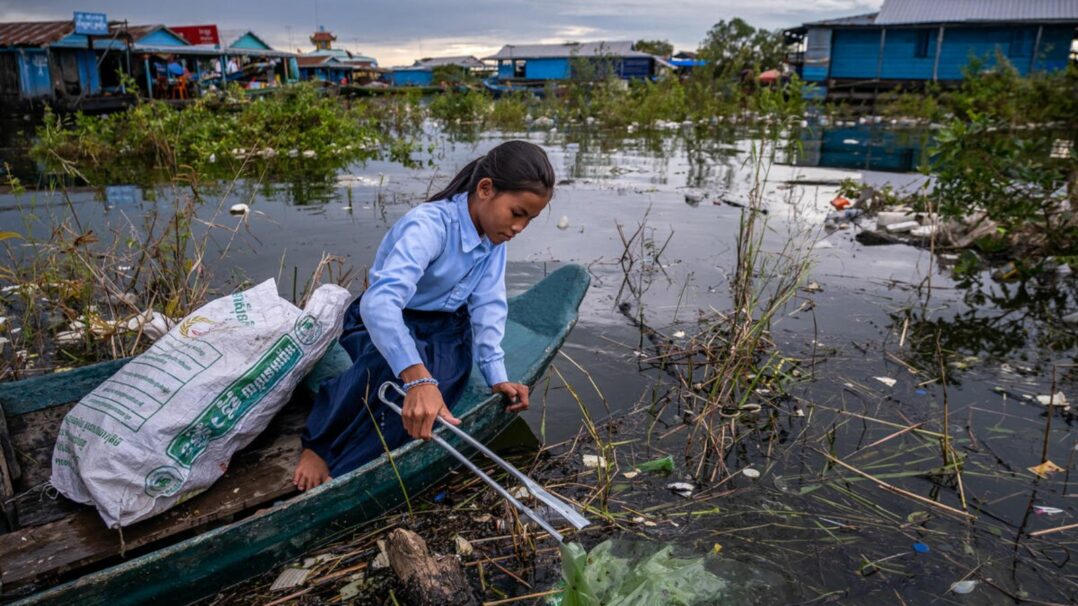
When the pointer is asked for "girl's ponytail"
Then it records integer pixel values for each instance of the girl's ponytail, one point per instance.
(511, 166)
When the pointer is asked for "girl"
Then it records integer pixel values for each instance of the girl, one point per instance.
(436, 294)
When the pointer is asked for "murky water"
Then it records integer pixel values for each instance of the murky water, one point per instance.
(879, 313)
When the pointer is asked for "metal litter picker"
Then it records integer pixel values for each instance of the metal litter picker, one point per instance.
(558, 506)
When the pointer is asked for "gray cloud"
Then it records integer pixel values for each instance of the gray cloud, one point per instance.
(398, 32)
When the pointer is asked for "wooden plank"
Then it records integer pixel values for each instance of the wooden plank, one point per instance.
(42, 554)
(9, 472)
(46, 553)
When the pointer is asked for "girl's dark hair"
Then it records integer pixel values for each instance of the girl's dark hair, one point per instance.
(512, 166)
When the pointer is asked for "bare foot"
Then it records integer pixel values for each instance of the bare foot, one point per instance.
(311, 471)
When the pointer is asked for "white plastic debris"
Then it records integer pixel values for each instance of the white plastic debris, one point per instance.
(885, 218)
(1059, 399)
(924, 231)
(679, 334)
(239, 209)
(632, 473)
(682, 489)
(888, 381)
(1044, 510)
(290, 577)
(519, 492)
(70, 337)
(309, 153)
(850, 142)
(963, 587)
(463, 547)
(563, 222)
(1071, 318)
(593, 461)
(750, 473)
(897, 228)
(381, 561)
(812, 287)
(212, 159)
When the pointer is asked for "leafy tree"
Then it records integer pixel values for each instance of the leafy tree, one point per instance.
(734, 46)
(659, 48)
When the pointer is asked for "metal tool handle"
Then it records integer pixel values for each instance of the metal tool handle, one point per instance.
(557, 505)
(475, 469)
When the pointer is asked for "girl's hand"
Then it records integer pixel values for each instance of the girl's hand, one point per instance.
(422, 406)
(517, 394)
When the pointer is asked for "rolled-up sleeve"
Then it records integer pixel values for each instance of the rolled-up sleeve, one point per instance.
(419, 241)
(488, 309)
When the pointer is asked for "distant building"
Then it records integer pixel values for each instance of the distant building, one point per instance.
(411, 75)
(47, 62)
(912, 42)
(544, 62)
(336, 65)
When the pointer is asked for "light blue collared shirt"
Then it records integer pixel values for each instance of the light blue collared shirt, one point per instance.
(433, 259)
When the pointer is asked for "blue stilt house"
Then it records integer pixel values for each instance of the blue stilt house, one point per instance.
(539, 63)
(411, 75)
(913, 42)
(46, 62)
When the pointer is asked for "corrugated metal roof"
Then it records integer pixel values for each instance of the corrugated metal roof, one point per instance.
(465, 61)
(903, 12)
(34, 33)
(621, 48)
(852, 21)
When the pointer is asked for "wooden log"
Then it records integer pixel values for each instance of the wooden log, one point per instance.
(9, 473)
(426, 579)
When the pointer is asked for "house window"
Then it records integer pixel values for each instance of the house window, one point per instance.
(923, 46)
(519, 68)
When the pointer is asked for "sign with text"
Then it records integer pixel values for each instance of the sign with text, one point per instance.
(91, 24)
(198, 34)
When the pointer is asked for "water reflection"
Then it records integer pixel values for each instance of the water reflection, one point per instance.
(863, 148)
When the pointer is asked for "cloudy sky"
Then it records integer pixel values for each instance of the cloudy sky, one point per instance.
(398, 32)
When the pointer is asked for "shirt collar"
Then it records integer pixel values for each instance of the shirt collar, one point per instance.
(469, 236)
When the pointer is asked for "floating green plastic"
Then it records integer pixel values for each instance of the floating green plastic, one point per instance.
(664, 464)
(602, 578)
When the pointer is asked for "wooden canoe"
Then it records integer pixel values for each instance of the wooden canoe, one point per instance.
(58, 552)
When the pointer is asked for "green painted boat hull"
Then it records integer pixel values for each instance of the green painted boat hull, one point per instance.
(539, 321)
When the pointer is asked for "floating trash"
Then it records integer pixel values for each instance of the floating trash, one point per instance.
(1044, 510)
(662, 464)
(1058, 399)
(682, 489)
(239, 209)
(888, 381)
(632, 473)
(593, 461)
(963, 587)
(290, 577)
(563, 222)
(750, 473)
(679, 334)
(463, 547)
(921, 547)
(1045, 468)
(309, 153)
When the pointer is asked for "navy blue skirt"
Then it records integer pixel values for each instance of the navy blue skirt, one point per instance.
(341, 427)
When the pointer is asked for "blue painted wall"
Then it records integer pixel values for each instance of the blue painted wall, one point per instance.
(89, 75)
(633, 68)
(411, 77)
(505, 70)
(161, 38)
(249, 41)
(910, 53)
(547, 69)
(34, 76)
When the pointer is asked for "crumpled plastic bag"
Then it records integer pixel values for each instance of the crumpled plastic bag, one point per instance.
(602, 578)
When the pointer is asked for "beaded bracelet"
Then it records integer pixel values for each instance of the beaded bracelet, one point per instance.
(424, 381)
